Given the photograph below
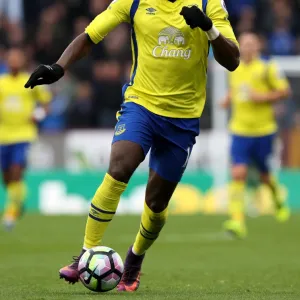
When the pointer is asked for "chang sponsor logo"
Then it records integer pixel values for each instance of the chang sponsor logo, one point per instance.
(171, 42)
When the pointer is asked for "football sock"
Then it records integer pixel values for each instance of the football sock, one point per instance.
(150, 227)
(16, 192)
(237, 200)
(102, 210)
(275, 190)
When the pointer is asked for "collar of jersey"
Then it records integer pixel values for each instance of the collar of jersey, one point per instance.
(19, 75)
(168, 4)
(252, 63)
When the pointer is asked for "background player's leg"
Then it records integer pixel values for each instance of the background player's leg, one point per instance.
(240, 152)
(107, 197)
(16, 187)
(262, 157)
(16, 192)
(282, 211)
(237, 189)
(270, 181)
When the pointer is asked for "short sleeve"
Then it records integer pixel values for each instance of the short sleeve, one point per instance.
(276, 77)
(216, 10)
(42, 94)
(117, 13)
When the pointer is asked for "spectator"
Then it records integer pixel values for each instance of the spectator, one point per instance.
(247, 20)
(81, 113)
(108, 88)
(13, 9)
(96, 7)
(63, 93)
(281, 39)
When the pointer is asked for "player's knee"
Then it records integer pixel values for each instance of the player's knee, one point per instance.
(119, 172)
(120, 168)
(157, 206)
(122, 165)
(239, 173)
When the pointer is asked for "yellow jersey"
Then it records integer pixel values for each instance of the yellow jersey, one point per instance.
(169, 58)
(250, 118)
(17, 105)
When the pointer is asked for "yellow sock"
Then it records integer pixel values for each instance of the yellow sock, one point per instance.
(237, 200)
(102, 210)
(150, 227)
(16, 194)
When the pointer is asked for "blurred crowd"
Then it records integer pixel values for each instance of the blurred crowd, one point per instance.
(90, 94)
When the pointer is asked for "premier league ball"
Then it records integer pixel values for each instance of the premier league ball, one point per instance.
(100, 269)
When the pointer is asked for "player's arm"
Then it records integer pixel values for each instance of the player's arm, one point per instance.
(273, 96)
(278, 82)
(78, 49)
(216, 25)
(116, 13)
(226, 101)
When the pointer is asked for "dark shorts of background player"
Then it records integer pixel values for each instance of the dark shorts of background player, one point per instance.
(13, 154)
(171, 140)
(253, 150)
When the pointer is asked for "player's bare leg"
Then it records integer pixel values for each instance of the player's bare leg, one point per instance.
(158, 194)
(282, 211)
(236, 224)
(16, 191)
(125, 157)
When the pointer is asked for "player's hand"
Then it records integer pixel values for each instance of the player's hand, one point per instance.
(39, 115)
(195, 17)
(45, 74)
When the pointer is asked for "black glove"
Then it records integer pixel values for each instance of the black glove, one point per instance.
(195, 17)
(45, 74)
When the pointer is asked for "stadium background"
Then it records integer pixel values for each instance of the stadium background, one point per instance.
(71, 156)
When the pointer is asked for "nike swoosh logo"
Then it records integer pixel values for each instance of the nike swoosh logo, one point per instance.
(88, 280)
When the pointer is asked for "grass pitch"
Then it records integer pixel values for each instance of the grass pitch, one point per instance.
(191, 260)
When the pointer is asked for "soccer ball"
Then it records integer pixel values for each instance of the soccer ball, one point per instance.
(100, 269)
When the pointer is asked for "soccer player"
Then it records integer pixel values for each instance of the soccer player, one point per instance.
(254, 88)
(18, 116)
(162, 105)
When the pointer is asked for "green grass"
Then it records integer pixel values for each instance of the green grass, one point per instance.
(191, 260)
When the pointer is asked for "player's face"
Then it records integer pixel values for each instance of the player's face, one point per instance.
(249, 46)
(15, 60)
